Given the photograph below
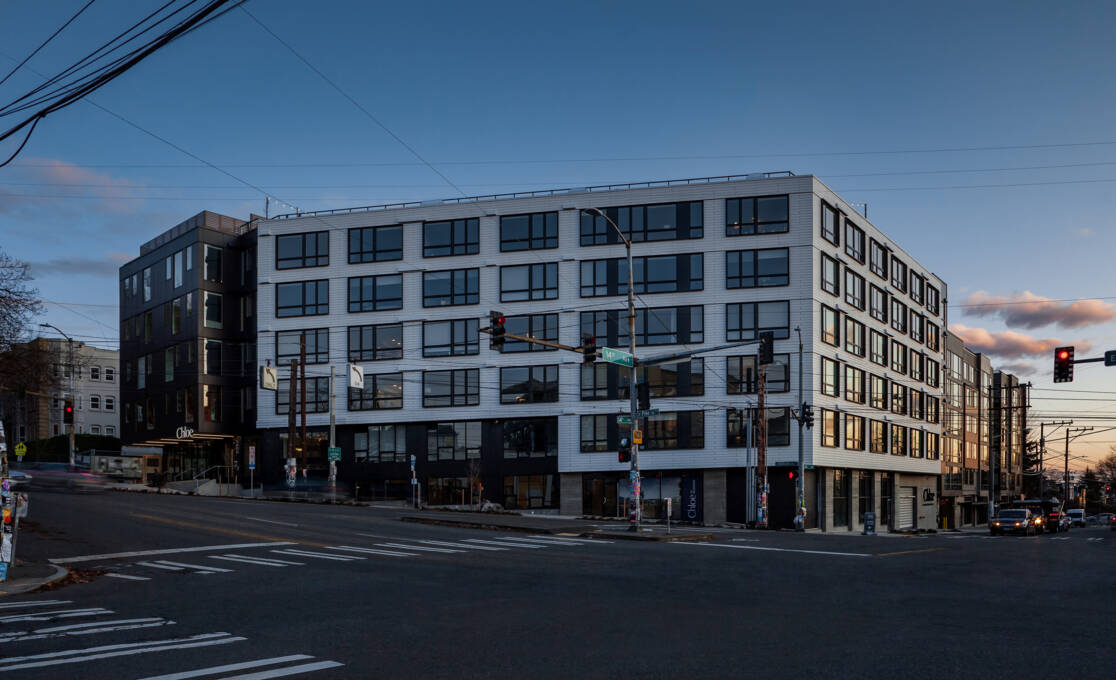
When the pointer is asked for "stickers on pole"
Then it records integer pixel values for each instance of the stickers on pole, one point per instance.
(6, 549)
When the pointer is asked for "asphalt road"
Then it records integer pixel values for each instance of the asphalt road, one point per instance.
(325, 592)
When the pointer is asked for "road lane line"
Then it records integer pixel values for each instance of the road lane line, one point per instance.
(123, 652)
(113, 574)
(85, 629)
(214, 670)
(60, 614)
(462, 545)
(566, 539)
(76, 626)
(909, 552)
(290, 670)
(159, 566)
(506, 545)
(40, 603)
(167, 551)
(264, 561)
(791, 550)
(199, 567)
(219, 530)
(271, 521)
(539, 541)
(317, 555)
(373, 551)
(418, 547)
(108, 648)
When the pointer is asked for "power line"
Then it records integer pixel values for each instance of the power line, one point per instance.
(44, 43)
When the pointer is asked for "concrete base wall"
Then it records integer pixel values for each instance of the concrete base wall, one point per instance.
(570, 491)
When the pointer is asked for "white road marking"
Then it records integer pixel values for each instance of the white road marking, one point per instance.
(156, 565)
(271, 521)
(289, 670)
(587, 541)
(129, 577)
(792, 550)
(60, 614)
(108, 651)
(318, 555)
(168, 551)
(505, 545)
(265, 561)
(372, 551)
(85, 629)
(200, 567)
(462, 545)
(40, 603)
(538, 541)
(418, 547)
(214, 670)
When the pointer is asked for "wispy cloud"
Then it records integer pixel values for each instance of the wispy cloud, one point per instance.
(40, 181)
(106, 265)
(1018, 368)
(1027, 310)
(1009, 344)
(1084, 232)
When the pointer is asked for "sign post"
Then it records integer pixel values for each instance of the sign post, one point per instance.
(669, 501)
(414, 483)
(20, 450)
(252, 468)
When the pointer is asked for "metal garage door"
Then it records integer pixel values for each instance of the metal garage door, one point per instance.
(905, 516)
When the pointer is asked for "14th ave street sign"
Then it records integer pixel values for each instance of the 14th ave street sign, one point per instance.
(615, 356)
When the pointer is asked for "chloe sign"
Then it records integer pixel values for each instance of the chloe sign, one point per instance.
(184, 432)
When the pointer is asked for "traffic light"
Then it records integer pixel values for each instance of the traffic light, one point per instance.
(496, 322)
(1063, 364)
(625, 451)
(588, 348)
(807, 415)
(643, 396)
(68, 412)
(791, 475)
(766, 348)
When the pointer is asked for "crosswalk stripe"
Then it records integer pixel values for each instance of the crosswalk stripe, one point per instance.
(418, 547)
(289, 670)
(200, 567)
(106, 651)
(214, 670)
(505, 545)
(470, 546)
(128, 577)
(60, 614)
(265, 561)
(85, 629)
(167, 551)
(587, 541)
(40, 603)
(541, 541)
(321, 556)
(159, 566)
(372, 551)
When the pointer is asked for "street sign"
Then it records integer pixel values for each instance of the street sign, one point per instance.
(334, 453)
(1110, 357)
(637, 436)
(356, 377)
(269, 377)
(251, 456)
(21, 449)
(615, 356)
(623, 420)
(647, 413)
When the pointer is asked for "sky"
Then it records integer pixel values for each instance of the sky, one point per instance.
(979, 136)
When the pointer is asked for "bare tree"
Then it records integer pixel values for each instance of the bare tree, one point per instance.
(19, 301)
(1106, 467)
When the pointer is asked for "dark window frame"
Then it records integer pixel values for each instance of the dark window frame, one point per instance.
(830, 227)
(547, 379)
(632, 222)
(856, 342)
(824, 333)
(855, 293)
(471, 283)
(758, 279)
(319, 308)
(742, 333)
(469, 395)
(878, 258)
(548, 290)
(548, 241)
(615, 280)
(830, 284)
(374, 253)
(464, 338)
(369, 398)
(878, 312)
(547, 322)
(755, 225)
(303, 260)
(853, 250)
(314, 336)
(361, 354)
(375, 303)
(736, 381)
(463, 237)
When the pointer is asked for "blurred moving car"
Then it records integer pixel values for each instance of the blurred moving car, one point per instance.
(20, 479)
(1077, 516)
(64, 476)
(1057, 521)
(1014, 520)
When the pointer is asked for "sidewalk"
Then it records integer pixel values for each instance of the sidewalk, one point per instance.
(26, 577)
(562, 525)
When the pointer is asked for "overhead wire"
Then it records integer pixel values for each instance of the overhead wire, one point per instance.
(44, 43)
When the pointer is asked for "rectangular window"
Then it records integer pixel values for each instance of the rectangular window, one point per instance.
(854, 289)
(830, 224)
(451, 388)
(918, 399)
(854, 385)
(830, 275)
(918, 326)
(376, 244)
(778, 427)
(829, 434)
(864, 494)
(375, 293)
(212, 270)
(932, 441)
(451, 287)
(451, 237)
(531, 438)
(594, 434)
(454, 440)
(381, 444)
(898, 357)
(898, 440)
(757, 268)
(878, 436)
(302, 298)
(529, 282)
(375, 343)
(176, 315)
(898, 399)
(933, 337)
(878, 391)
(854, 241)
(830, 326)
(898, 315)
(211, 403)
(293, 251)
(529, 384)
(918, 287)
(742, 376)
(854, 337)
(381, 391)
(178, 264)
(110, 374)
(878, 260)
(830, 377)
(214, 317)
(660, 274)
(654, 326)
(746, 320)
(898, 274)
(211, 357)
(317, 395)
(933, 300)
(663, 222)
(594, 381)
(933, 373)
(287, 346)
(455, 337)
(540, 326)
(841, 484)
(878, 304)
(537, 231)
(915, 365)
(761, 215)
(854, 432)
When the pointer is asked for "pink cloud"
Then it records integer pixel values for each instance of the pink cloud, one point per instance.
(1027, 310)
(41, 179)
(1010, 344)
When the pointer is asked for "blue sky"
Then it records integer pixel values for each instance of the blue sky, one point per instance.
(872, 97)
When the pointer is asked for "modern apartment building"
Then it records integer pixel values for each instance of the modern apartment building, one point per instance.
(1010, 401)
(187, 343)
(403, 291)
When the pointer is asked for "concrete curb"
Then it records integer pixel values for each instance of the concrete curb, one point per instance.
(470, 524)
(24, 585)
(659, 538)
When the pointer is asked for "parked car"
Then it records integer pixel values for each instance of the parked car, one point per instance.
(1056, 521)
(1014, 520)
(1112, 522)
(1077, 517)
(63, 476)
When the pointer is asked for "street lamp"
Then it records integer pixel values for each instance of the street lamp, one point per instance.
(73, 425)
(635, 482)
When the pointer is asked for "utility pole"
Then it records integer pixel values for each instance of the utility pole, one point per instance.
(332, 428)
(1065, 473)
(800, 482)
(302, 389)
(292, 401)
(1042, 452)
(762, 520)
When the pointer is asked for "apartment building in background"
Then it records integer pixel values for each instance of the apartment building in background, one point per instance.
(403, 291)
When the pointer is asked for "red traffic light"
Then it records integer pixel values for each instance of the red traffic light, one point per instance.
(791, 474)
(1063, 355)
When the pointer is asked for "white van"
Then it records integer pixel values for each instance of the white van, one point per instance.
(1077, 516)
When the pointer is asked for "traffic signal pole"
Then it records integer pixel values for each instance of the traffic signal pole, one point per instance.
(800, 483)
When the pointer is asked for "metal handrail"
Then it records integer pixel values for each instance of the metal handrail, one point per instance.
(198, 477)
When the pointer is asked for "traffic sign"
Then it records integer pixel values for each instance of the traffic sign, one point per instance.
(637, 436)
(21, 449)
(251, 456)
(615, 356)
(1110, 357)
(623, 420)
(335, 453)
(647, 413)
